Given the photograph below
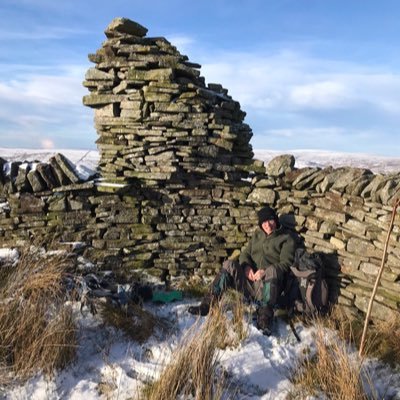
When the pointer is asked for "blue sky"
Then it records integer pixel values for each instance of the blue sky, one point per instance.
(311, 74)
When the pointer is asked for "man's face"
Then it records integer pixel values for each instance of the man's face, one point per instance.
(269, 226)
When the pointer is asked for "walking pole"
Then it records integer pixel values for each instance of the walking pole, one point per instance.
(378, 278)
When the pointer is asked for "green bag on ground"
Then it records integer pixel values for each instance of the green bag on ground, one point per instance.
(161, 296)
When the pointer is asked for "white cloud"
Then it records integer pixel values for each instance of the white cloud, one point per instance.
(291, 81)
(34, 105)
(63, 89)
(319, 95)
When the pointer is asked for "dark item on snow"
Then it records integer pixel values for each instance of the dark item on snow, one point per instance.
(264, 319)
(306, 290)
(203, 308)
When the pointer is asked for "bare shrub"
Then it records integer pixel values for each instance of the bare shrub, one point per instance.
(37, 330)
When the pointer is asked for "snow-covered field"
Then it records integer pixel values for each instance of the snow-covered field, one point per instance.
(323, 158)
(110, 367)
(304, 158)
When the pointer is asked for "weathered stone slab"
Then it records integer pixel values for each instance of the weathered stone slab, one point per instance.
(94, 100)
(348, 176)
(124, 25)
(377, 182)
(98, 75)
(379, 311)
(21, 181)
(362, 247)
(330, 215)
(67, 167)
(46, 173)
(160, 74)
(29, 203)
(36, 181)
(280, 165)
(262, 196)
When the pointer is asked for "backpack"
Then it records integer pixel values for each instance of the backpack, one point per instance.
(307, 290)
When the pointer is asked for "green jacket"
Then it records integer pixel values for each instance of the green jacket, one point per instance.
(263, 250)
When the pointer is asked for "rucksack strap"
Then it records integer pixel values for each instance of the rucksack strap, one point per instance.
(305, 274)
(309, 299)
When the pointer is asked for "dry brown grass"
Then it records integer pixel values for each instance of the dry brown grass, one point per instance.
(237, 329)
(387, 341)
(383, 337)
(137, 324)
(37, 330)
(194, 286)
(330, 370)
(193, 371)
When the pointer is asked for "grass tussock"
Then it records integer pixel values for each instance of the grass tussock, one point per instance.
(383, 337)
(387, 342)
(193, 371)
(237, 329)
(329, 368)
(37, 330)
(137, 324)
(193, 286)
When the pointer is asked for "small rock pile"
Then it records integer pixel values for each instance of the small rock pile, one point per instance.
(34, 177)
(156, 118)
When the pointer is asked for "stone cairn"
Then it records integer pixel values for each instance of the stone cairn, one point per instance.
(180, 146)
(156, 118)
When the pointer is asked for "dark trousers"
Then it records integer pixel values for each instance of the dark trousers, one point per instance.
(265, 291)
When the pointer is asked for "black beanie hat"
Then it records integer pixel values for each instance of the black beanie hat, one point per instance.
(267, 213)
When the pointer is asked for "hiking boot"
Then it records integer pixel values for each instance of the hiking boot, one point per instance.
(203, 308)
(264, 319)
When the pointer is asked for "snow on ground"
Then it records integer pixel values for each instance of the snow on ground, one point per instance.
(323, 158)
(111, 367)
(8, 255)
(87, 160)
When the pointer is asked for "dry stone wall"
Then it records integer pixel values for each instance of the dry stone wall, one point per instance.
(344, 213)
(178, 188)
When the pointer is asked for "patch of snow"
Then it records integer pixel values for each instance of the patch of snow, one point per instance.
(9, 255)
(4, 206)
(7, 169)
(109, 363)
(104, 183)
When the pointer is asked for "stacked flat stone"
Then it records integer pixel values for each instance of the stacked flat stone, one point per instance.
(35, 177)
(156, 118)
(343, 213)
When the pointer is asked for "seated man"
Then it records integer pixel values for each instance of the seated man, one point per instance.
(260, 273)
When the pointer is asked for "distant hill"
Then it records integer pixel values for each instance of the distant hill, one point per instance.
(322, 158)
(88, 159)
